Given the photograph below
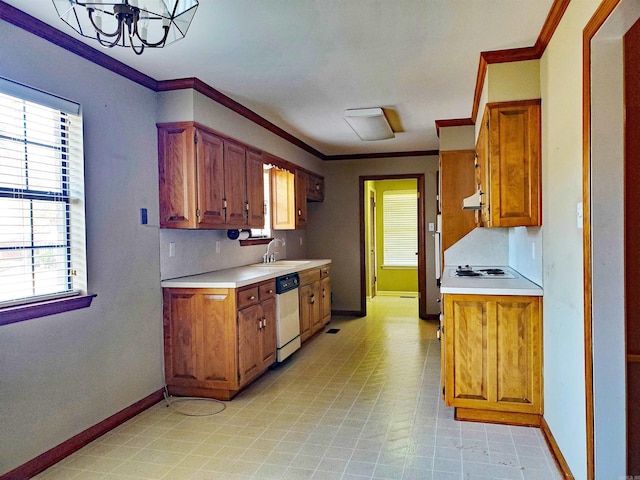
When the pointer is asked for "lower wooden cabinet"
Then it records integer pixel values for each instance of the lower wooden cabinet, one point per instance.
(315, 301)
(493, 358)
(216, 341)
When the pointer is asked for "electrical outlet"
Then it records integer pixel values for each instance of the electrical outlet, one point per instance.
(533, 250)
(301, 241)
(143, 216)
(172, 249)
(217, 246)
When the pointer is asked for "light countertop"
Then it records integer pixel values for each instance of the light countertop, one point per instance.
(518, 285)
(242, 276)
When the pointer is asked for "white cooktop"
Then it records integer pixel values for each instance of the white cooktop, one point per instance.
(512, 283)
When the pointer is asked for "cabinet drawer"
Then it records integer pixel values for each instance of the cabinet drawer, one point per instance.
(309, 276)
(267, 290)
(324, 271)
(248, 296)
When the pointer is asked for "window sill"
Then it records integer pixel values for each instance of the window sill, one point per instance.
(20, 313)
(255, 241)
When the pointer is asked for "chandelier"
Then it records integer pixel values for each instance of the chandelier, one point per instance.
(129, 23)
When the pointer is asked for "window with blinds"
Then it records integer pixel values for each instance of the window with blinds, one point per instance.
(42, 230)
(400, 227)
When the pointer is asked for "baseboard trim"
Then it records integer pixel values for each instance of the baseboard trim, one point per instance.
(555, 450)
(347, 313)
(75, 443)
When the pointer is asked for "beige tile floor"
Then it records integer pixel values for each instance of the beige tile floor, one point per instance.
(361, 404)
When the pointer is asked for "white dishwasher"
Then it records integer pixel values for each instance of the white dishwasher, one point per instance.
(287, 315)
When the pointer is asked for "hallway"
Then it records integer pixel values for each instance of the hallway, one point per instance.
(363, 403)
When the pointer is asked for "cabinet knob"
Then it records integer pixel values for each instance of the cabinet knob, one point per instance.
(252, 297)
(270, 291)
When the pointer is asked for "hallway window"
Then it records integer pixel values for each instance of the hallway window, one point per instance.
(42, 225)
(400, 226)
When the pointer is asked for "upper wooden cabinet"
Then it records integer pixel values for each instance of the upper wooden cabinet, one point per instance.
(457, 181)
(301, 199)
(508, 164)
(207, 181)
(315, 188)
(288, 199)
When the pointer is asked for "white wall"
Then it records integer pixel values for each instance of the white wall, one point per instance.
(563, 314)
(62, 374)
(525, 252)
(334, 227)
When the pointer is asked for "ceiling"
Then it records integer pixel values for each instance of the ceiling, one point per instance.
(301, 63)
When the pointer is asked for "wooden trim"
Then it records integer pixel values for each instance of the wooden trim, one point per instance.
(518, 54)
(75, 443)
(422, 262)
(453, 122)
(555, 450)
(633, 358)
(495, 416)
(248, 242)
(516, 103)
(592, 27)
(347, 313)
(20, 313)
(36, 27)
(222, 99)
(360, 156)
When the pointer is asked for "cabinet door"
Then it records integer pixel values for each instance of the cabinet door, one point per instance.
(199, 340)
(315, 306)
(177, 176)
(268, 333)
(283, 216)
(255, 190)
(483, 179)
(301, 199)
(235, 183)
(458, 180)
(518, 354)
(306, 311)
(325, 293)
(514, 152)
(467, 335)
(315, 188)
(249, 362)
(210, 168)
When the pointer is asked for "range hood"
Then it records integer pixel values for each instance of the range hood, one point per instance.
(473, 202)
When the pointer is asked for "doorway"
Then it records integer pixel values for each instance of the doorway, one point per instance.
(376, 276)
(612, 169)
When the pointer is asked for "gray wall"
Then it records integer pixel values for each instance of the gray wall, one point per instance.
(334, 226)
(64, 373)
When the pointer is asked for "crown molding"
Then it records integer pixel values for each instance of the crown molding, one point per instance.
(361, 156)
(511, 55)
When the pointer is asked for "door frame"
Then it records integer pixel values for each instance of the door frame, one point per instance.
(372, 279)
(422, 259)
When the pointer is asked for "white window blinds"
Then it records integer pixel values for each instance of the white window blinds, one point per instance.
(42, 229)
(400, 225)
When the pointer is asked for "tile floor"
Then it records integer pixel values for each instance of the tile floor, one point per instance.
(360, 404)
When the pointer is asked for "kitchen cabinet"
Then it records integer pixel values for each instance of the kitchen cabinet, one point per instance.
(508, 164)
(325, 293)
(493, 357)
(288, 199)
(315, 188)
(218, 340)
(256, 330)
(315, 301)
(283, 216)
(301, 199)
(457, 181)
(207, 181)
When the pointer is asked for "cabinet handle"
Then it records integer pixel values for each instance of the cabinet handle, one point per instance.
(264, 322)
(299, 212)
(312, 301)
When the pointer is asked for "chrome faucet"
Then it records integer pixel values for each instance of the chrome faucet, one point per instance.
(268, 258)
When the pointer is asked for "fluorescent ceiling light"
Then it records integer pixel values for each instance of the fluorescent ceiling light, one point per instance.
(369, 123)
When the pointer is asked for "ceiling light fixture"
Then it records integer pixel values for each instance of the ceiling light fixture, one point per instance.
(129, 23)
(369, 123)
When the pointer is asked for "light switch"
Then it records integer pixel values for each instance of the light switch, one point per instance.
(579, 215)
(432, 227)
